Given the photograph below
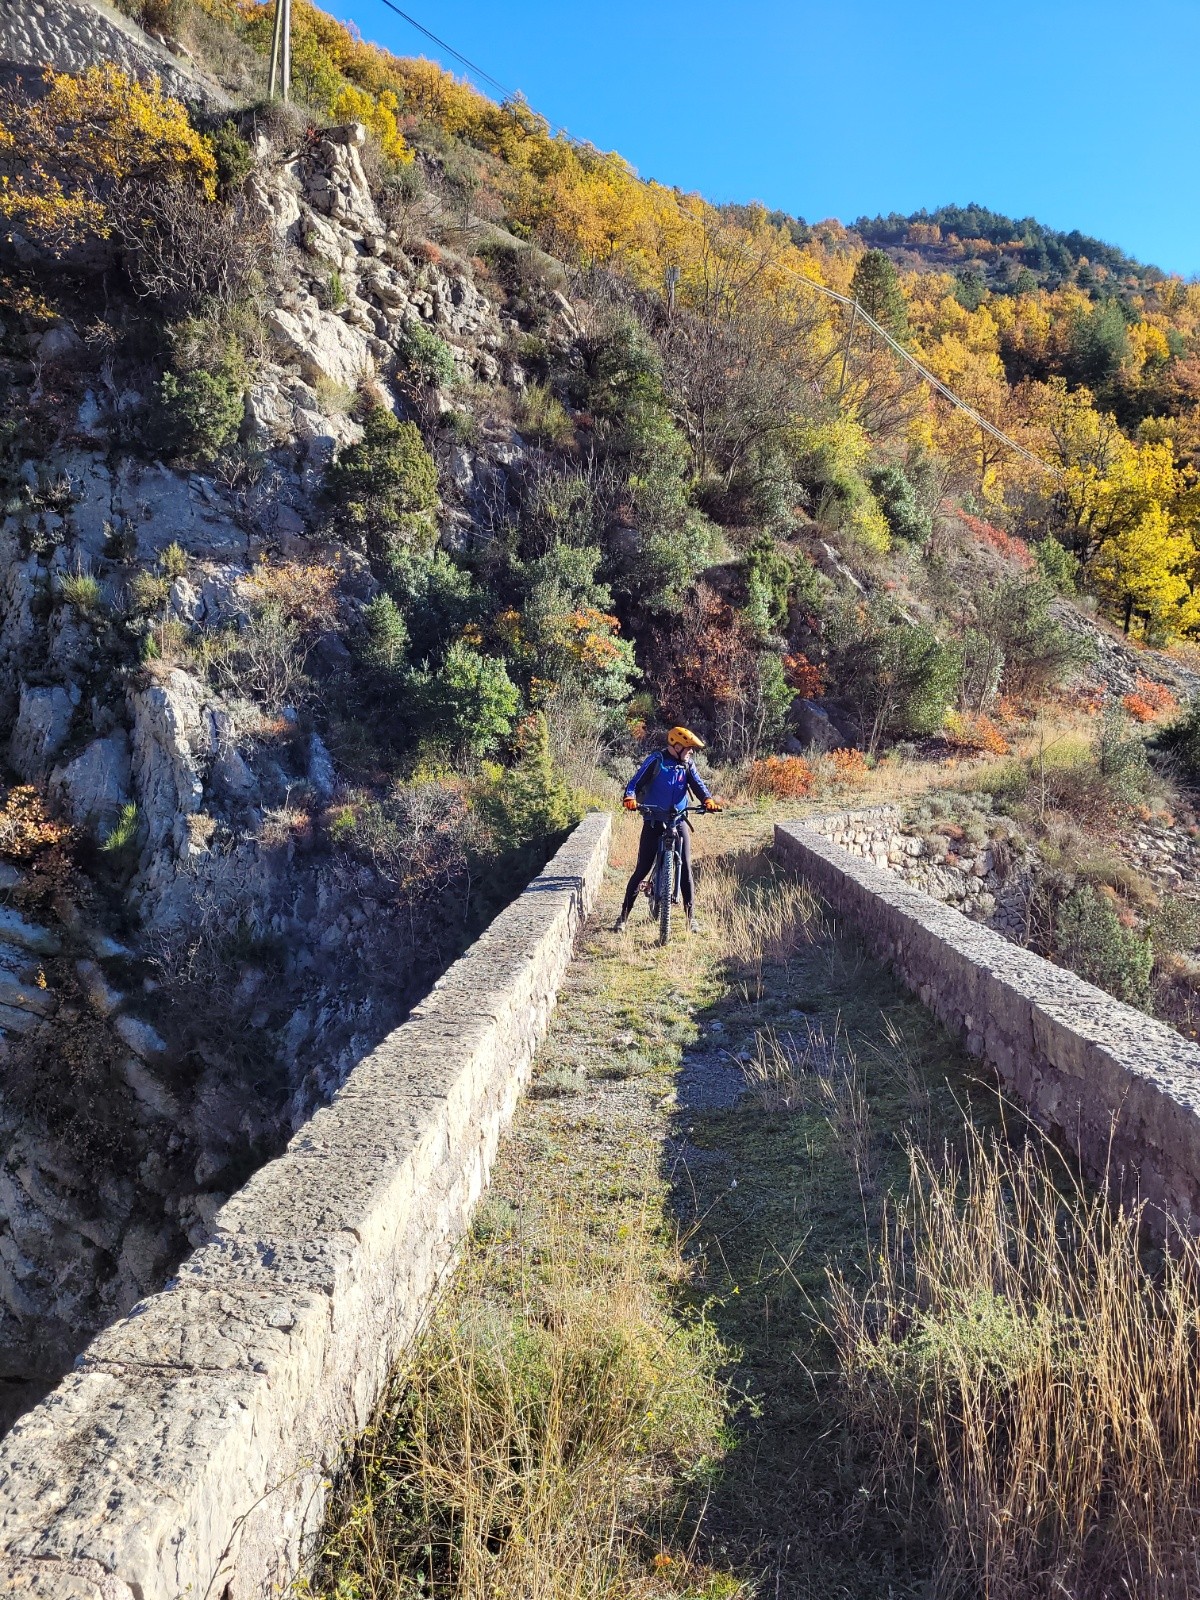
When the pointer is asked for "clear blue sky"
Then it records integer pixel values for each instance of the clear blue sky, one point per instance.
(1083, 115)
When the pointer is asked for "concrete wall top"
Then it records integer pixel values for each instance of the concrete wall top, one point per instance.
(187, 1453)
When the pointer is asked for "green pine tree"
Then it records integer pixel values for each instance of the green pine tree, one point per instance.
(876, 287)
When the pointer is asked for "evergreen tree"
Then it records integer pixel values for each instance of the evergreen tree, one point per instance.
(876, 287)
(529, 803)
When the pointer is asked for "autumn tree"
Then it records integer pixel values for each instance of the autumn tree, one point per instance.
(77, 159)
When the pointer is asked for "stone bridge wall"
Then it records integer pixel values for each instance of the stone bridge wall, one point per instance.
(187, 1453)
(1119, 1088)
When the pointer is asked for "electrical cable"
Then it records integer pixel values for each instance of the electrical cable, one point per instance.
(924, 373)
(508, 94)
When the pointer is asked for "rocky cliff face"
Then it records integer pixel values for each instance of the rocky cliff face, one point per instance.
(167, 1019)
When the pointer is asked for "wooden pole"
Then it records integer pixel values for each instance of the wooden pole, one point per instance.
(276, 50)
(287, 48)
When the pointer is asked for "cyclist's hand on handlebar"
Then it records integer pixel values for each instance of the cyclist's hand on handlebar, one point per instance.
(629, 803)
(712, 805)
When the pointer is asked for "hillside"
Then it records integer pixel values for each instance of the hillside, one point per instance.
(1008, 256)
(368, 511)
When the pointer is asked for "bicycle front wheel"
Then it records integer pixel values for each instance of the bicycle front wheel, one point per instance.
(665, 886)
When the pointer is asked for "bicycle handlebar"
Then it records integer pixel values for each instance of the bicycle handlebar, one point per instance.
(687, 811)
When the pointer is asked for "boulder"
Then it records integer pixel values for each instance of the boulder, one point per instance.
(141, 1038)
(322, 345)
(94, 786)
(171, 738)
(335, 183)
(232, 779)
(321, 772)
(41, 729)
(814, 730)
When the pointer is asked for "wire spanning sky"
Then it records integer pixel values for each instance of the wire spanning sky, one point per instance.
(1081, 113)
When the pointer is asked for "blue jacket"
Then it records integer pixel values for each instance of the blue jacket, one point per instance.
(668, 789)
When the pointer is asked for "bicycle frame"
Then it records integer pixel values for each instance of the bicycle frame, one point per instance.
(662, 886)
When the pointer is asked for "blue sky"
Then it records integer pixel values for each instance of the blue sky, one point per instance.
(1080, 114)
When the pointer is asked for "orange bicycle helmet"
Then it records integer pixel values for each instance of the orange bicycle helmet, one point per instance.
(685, 739)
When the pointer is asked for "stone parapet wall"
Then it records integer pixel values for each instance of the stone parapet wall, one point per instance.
(982, 880)
(187, 1453)
(1116, 1086)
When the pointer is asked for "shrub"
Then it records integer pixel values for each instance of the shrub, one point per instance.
(202, 410)
(1182, 739)
(264, 660)
(417, 839)
(866, 522)
(782, 777)
(543, 416)
(843, 769)
(898, 676)
(385, 637)
(426, 357)
(967, 732)
(768, 584)
(898, 501)
(1058, 565)
(1149, 700)
(233, 156)
(529, 803)
(1037, 650)
(1092, 942)
(91, 133)
(384, 489)
(468, 704)
(1122, 760)
(306, 594)
(173, 561)
(437, 598)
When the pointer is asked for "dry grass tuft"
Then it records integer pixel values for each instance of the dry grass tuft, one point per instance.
(1012, 1357)
(760, 915)
(531, 1447)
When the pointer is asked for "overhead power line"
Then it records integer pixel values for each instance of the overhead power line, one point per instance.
(507, 94)
(857, 312)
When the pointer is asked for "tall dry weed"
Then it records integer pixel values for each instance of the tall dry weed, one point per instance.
(1015, 1362)
(761, 917)
(532, 1445)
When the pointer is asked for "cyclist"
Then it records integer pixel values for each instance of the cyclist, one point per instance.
(663, 782)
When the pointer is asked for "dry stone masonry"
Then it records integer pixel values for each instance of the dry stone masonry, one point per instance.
(187, 1453)
(1116, 1086)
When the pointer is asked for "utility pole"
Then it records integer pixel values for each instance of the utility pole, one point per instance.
(280, 80)
(672, 278)
(846, 350)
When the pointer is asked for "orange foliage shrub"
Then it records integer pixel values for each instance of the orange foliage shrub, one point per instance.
(1005, 544)
(307, 595)
(967, 732)
(1149, 700)
(805, 676)
(845, 768)
(43, 847)
(783, 777)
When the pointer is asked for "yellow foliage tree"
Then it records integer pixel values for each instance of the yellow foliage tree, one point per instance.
(72, 160)
(1142, 570)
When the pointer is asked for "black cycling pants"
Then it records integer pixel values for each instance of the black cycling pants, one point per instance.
(647, 850)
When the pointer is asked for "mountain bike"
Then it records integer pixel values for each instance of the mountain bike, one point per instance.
(662, 886)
